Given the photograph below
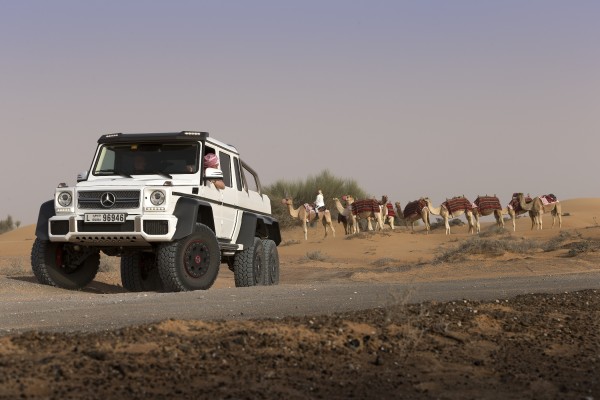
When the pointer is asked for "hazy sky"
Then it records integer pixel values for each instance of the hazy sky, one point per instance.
(408, 98)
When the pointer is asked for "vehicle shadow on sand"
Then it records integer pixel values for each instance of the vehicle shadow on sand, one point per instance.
(93, 287)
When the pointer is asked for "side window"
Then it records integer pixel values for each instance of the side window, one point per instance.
(225, 164)
(250, 178)
(238, 175)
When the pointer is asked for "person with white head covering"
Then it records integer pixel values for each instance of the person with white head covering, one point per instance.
(212, 161)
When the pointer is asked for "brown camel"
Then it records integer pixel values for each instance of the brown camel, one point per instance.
(414, 211)
(304, 216)
(368, 209)
(488, 205)
(348, 219)
(514, 208)
(453, 208)
(540, 205)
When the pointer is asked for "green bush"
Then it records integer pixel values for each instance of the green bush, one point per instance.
(305, 191)
(8, 224)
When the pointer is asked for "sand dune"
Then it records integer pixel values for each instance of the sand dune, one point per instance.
(380, 256)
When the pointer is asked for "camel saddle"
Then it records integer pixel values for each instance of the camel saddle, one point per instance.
(390, 210)
(414, 207)
(367, 205)
(548, 199)
(485, 203)
(457, 204)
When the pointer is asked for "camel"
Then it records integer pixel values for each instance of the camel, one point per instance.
(347, 218)
(414, 211)
(540, 205)
(304, 216)
(387, 212)
(514, 208)
(453, 208)
(365, 209)
(389, 215)
(488, 205)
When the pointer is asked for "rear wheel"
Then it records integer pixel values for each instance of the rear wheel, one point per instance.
(248, 265)
(271, 257)
(191, 263)
(64, 265)
(139, 272)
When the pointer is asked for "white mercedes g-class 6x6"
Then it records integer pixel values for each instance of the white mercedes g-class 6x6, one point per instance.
(149, 199)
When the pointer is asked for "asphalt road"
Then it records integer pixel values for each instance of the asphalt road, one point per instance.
(65, 311)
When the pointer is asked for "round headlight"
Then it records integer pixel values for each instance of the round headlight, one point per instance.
(157, 198)
(65, 199)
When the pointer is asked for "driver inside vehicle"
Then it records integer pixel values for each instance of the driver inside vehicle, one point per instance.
(139, 164)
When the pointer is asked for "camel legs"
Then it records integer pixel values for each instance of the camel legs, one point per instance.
(536, 220)
(499, 219)
(305, 228)
(469, 216)
(392, 222)
(447, 224)
(513, 217)
(477, 224)
(557, 212)
(425, 218)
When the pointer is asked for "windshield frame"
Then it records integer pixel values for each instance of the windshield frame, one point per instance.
(165, 159)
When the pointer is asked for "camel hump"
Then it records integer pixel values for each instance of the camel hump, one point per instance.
(367, 205)
(414, 207)
(458, 203)
(485, 203)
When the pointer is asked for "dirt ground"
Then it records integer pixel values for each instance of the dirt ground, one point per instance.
(538, 346)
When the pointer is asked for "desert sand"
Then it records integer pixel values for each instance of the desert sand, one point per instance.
(538, 346)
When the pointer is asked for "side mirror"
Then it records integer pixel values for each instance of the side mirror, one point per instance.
(213, 173)
(82, 176)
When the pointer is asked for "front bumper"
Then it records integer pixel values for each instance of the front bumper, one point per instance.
(137, 230)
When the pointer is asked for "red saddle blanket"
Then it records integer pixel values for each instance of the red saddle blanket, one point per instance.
(367, 205)
(390, 210)
(548, 198)
(514, 203)
(414, 207)
(485, 203)
(456, 204)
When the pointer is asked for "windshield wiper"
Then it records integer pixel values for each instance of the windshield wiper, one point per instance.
(113, 171)
(163, 174)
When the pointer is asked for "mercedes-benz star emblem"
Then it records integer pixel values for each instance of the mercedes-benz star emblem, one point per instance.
(107, 200)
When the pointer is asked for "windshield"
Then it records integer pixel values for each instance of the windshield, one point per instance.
(128, 159)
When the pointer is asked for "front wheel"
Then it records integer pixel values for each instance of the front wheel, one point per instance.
(139, 272)
(191, 263)
(62, 265)
(249, 266)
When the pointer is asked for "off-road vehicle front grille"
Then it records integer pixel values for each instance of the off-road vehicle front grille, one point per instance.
(122, 199)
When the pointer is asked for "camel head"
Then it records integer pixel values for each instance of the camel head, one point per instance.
(348, 198)
(286, 201)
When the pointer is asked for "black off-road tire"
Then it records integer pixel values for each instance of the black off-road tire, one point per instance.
(139, 272)
(271, 258)
(50, 262)
(191, 263)
(249, 266)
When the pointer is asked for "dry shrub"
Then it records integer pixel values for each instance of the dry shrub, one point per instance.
(315, 256)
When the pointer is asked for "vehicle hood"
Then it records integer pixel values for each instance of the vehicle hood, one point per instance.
(135, 182)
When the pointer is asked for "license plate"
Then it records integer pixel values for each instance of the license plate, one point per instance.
(109, 218)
